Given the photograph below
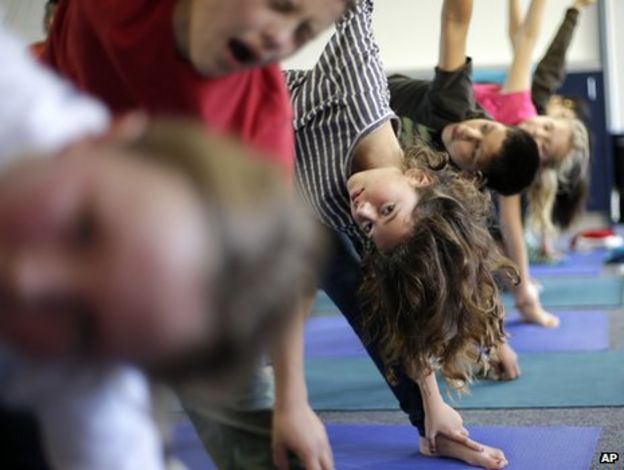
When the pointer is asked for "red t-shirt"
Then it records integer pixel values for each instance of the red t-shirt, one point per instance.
(124, 52)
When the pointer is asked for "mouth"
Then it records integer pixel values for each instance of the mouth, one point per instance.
(241, 52)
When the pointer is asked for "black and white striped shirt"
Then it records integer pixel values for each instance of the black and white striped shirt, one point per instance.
(337, 103)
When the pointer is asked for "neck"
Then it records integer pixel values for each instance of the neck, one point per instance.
(379, 149)
(181, 26)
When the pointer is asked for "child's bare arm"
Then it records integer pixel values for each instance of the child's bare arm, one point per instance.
(440, 418)
(519, 77)
(455, 22)
(515, 21)
(296, 428)
(527, 300)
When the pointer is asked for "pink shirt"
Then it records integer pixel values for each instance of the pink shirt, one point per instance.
(508, 108)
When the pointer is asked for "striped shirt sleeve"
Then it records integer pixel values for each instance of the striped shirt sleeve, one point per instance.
(336, 104)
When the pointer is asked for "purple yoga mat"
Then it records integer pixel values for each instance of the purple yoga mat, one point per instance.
(331, 336)
(395, 447)
(574, 264)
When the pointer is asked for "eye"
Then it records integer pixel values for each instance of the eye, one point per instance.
(387, 210)
(283, 6)
(366, 227)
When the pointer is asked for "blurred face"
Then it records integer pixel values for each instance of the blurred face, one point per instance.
(475, 143)
(560, 107)
(383, 201)
(225, 36)
(100, 255)
(552, 135)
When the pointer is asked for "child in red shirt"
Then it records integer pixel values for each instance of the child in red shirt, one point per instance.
(160, 56)
(210, 59)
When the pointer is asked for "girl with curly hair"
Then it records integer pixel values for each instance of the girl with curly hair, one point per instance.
(428, 296)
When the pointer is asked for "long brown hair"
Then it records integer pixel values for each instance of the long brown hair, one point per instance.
(433, 301)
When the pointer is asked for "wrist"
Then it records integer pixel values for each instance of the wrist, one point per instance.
(290, 396)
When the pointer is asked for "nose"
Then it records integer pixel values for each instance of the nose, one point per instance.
(278, 37)
(470, 134)
(365, 210)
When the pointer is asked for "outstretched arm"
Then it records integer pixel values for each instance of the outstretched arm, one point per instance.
(550, 71)
(519, 78)
(515, 21)
(525, 294)
(440, 418)
(296, 428)
(455, 21)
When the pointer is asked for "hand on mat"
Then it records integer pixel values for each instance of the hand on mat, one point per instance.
(509, 368)
(528, 304)
(300, 431)
(442, 419)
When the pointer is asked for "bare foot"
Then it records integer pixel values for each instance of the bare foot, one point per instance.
(534, 313)
(489, 458)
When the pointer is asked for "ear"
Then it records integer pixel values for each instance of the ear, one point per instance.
(419, 178)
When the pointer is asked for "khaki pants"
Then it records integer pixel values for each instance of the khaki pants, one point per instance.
(236, 431)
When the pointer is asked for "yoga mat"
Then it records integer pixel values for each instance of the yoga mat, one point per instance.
(559, 292)
(578, 292)
(574, 264)
(557, 380)
(331, 336)
(395, 447)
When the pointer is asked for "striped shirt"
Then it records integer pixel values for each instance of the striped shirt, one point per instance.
(336, 104)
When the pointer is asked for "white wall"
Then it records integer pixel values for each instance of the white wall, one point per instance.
(613, 34)
(407, 32)
(25, 17)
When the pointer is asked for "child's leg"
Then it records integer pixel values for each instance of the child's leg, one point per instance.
(341, 283)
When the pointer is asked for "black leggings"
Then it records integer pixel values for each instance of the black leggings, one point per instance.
(341, 283)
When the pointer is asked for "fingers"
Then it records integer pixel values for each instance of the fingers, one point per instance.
(312, 462)
(327, 460)
(432, 444)
(280, 457)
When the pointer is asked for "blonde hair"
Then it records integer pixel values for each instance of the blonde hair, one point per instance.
(566, 175)
(266, 248)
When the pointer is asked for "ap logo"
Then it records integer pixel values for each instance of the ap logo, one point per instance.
(609, 457)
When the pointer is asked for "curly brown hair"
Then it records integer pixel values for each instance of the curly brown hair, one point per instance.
(433, 301)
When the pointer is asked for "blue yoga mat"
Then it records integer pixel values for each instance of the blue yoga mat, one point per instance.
(395, 447)
(573, 264)
(578, 292)
(549, 380)
(574, 292)
(331, 336)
